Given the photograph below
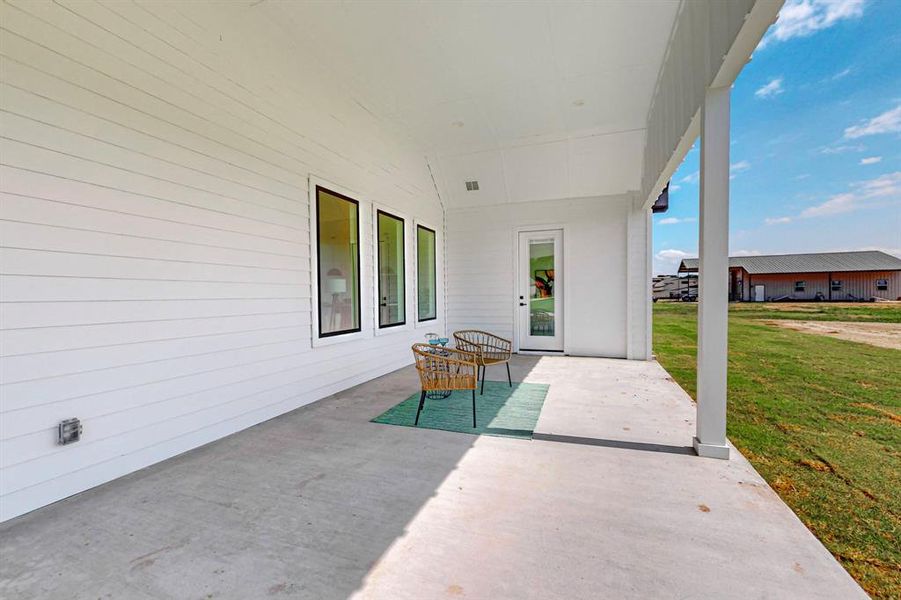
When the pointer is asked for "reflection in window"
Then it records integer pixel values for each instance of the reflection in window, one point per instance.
(541, 299)
(800, 286)
(392, 309)
(426, 266)
(338, 252)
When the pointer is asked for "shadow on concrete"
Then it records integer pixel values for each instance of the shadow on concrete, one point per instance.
(622, 444)
(304, 504)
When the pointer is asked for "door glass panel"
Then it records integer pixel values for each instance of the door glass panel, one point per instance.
(541, 295)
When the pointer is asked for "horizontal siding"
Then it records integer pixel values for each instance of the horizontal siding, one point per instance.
(155, 271)
(481, 262)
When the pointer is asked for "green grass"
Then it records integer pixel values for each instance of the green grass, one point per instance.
(821, 311)
(818, 417)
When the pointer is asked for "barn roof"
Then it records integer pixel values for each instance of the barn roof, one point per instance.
(823, 262)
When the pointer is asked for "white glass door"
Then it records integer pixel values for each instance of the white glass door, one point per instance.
(540, 293)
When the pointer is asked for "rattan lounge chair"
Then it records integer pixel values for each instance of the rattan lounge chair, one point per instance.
(442, 370)
(488, 348)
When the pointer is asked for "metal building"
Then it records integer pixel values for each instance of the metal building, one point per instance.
(827, 276)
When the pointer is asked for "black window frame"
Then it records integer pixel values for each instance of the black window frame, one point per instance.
(434, 268)
(881, 285)
(800, 286)
(835, 285)
(378, 264)
(359, 286)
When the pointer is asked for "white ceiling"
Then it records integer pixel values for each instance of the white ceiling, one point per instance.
(536, 100)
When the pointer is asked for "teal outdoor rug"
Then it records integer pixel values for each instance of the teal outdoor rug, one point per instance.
(501, 411)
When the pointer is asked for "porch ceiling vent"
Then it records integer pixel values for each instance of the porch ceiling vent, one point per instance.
(472, 186)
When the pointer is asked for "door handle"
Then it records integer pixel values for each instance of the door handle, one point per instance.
(522, 303)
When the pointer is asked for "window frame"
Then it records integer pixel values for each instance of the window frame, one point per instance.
(835, 285)
(800, 286)
(363, 216)
(377, 210)
(881, 285)
(420, 322)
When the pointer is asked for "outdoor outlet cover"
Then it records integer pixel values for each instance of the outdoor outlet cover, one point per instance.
(69, 431)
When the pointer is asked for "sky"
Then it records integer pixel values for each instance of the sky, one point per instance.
(816, 140)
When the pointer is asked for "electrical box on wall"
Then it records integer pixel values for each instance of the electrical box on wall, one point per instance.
(69, 431)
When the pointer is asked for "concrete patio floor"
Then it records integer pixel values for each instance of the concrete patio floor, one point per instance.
(608, 501)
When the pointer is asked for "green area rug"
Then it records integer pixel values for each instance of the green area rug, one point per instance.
(502, 411)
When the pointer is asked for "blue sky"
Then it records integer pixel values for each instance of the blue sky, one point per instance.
(816, 139)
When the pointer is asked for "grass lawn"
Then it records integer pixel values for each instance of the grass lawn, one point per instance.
(819, 418)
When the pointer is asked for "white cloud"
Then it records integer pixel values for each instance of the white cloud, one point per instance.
(739, 166)
(667, 261)
(840, 75)
(840, 203)
(887, 122)
(674, 220)
(802, 176)
(885, 185)
(872, 192)
(841, 148)
(773, 88)
(691, 177)
(802, 18)
(884, 190)
(745, 253)
(675, 188)
(870, 160)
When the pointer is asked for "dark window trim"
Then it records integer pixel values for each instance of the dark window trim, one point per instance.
(434, 268)
(359, 327)
(403, 263)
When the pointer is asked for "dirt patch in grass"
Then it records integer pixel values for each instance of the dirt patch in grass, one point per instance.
(896, 419)
(884, 335)
(816, 465)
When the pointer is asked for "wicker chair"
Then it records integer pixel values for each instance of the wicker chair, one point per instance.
(442, 370)
(488, 348)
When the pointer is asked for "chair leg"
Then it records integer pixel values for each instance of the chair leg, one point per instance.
(419, 410)
(509, 379)
(473, 409)
(484, 370)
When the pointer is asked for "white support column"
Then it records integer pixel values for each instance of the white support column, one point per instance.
(638, 281)
(713, 291)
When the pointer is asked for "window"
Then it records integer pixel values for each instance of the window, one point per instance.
(426, 267)
(800, 285)
(392, 296)
(836, 285)
(882, 284)
(338, 262)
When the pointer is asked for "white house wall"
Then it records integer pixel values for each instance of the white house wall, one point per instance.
(481, 259)
(156, 234)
